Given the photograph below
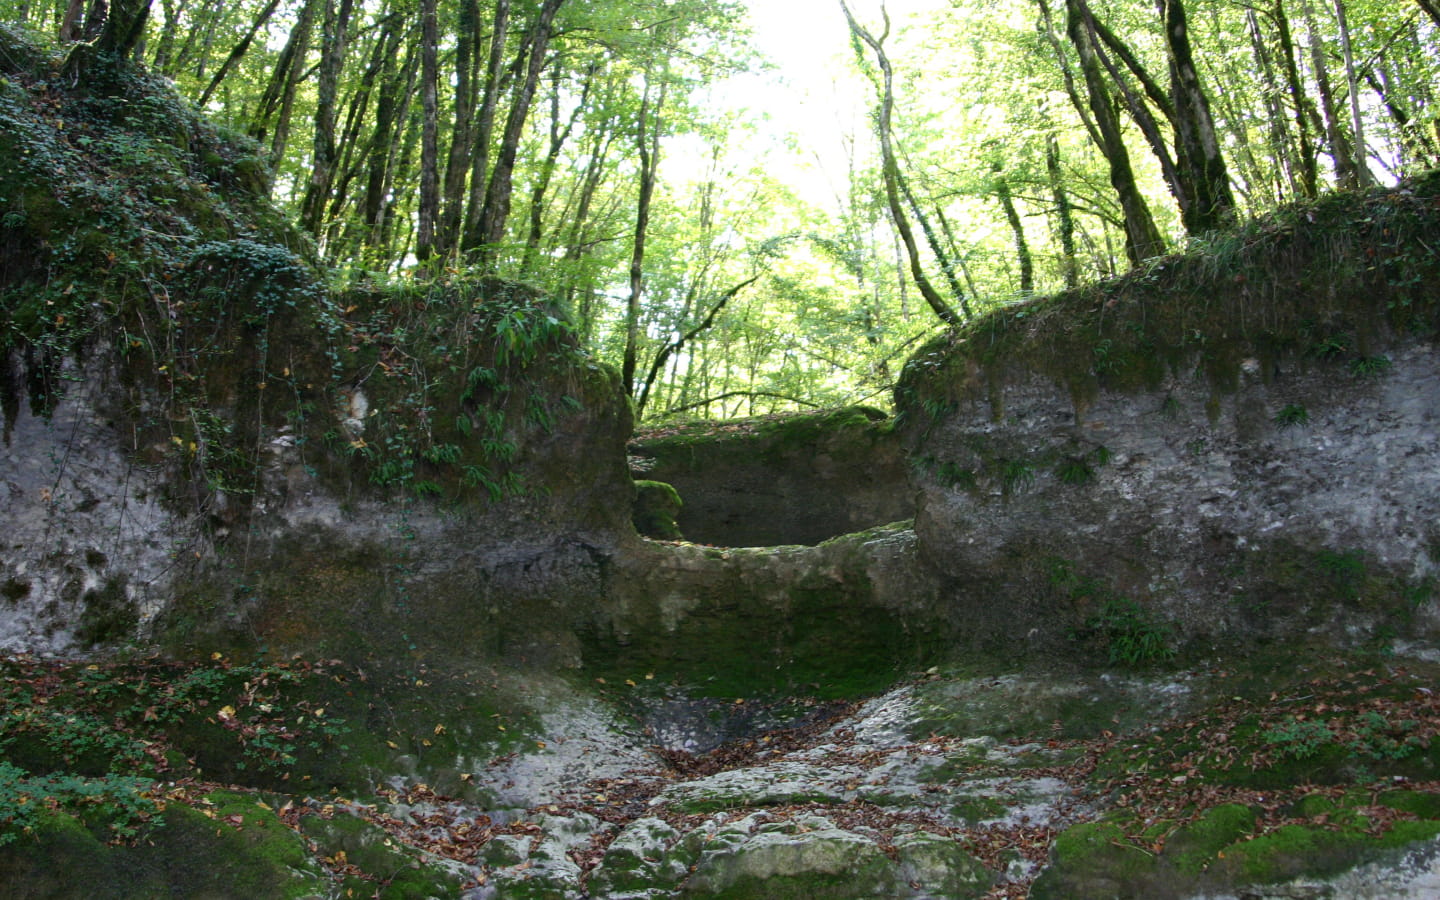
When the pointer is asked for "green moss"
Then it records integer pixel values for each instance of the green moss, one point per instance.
(1194, 847)
(185, 854)
(1095, 859)
(108, 615)
(1423, 804)
(656, 506)
(1290, 851)
(396, 871)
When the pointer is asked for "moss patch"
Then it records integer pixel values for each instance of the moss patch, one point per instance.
(185, 853)
(656, 506)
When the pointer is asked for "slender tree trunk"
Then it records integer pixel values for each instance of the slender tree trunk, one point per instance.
(485, 125)
(390, 110)
(165, 48)
(322, 167)
(1047, 27)
(1419, 150)
(1150, 129)
(1069, 264)
(1340, 151)
(1017, 228)
(461, 141)
(429, 210)
(675, 346)
(647, 144)
(1142, 237)
(239, 52)
(72, 24)
(1357, 127)
(278, 100)
(355, 152)
(558, 138)
(1309, 164)
(1281, 147)
(496, 212)
(208, 21)
(891, 170)
(1165, 102)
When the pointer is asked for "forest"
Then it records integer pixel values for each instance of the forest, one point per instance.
(620, 157)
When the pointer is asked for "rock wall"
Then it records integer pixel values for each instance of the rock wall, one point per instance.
(1304, 503)
(798, 479)
(88, 545)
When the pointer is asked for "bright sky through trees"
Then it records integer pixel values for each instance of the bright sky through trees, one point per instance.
(811, 104)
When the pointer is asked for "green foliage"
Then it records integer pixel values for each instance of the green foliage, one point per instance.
(1299, 739)
(954, 475)
(1074, 470)
(124, 802)
(1369, 734)
(1133, 637)
(1369, 366)
(1016, 475)
(1309, 280)
(1292, 415)
(466, 370)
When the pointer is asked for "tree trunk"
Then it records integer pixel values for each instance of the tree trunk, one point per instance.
(239, 52)
(1212, 205)
(1357, 132)
(1149, 128)
(279, 97)
(429, 209)
(1069, 264)
(1142, 238)
(891, 171)
(72, 24)
(1017, 228)
(1340, 151)
(390, 110)
(1081, 108)
(1309, 165)
(165, 48)
(647, 144)
(558, 138)
(485, 125)
(496, 211)
(1281, 148)
(457, 166)
(355, 152)
(675, 346)
(322, 167)
(124, 27)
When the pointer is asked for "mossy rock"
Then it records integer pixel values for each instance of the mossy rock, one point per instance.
(656, 506)
(185, 853)
(392, 870)
(1196, 845)
(1096, 859)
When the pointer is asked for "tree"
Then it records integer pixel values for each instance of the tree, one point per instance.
(1142, 238)
(893, 177)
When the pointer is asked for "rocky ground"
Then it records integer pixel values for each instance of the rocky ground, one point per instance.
(1204, 783)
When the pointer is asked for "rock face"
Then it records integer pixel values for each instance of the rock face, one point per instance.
(1213, 511)
(798, 479)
